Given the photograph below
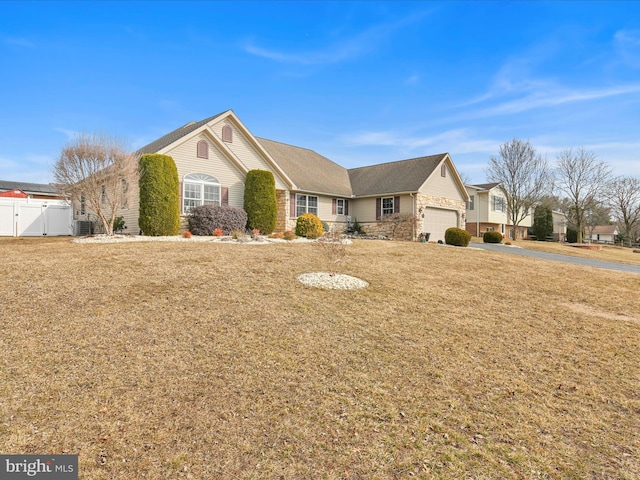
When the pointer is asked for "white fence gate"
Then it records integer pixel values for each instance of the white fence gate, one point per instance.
(28, 217)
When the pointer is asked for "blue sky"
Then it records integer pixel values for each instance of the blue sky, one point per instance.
(358, 82)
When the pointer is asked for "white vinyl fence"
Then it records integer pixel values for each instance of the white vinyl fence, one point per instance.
(28, 217)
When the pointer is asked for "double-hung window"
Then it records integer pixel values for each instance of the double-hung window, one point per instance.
(499, 204)
(306, 204)
(387, 206)
(340, 206)
(199, 189)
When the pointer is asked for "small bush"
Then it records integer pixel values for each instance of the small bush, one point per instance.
(276, 235)
(217, 232)
(492, 237)
(309, 225)
(118, 224)
(186, 234)
(326, 227)
(289, 235)
(457, 237)
(203, 220)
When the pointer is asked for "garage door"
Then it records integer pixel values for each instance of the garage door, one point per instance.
(436, 222)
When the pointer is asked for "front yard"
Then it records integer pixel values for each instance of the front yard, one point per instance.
(209, 360)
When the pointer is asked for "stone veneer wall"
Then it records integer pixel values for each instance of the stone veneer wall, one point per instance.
(283, 206)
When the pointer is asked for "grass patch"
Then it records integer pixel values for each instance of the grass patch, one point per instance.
(209, 360)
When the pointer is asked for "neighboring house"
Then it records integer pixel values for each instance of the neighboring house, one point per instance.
(28, 190)
(487, 211)
(601, 234)
(559, 226)
(214, 155)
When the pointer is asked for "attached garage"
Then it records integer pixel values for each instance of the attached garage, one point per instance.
(437, 220)
(28, 217)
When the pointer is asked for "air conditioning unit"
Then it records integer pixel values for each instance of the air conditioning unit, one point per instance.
(82, 228)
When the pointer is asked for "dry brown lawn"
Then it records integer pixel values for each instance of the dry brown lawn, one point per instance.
(210, 361)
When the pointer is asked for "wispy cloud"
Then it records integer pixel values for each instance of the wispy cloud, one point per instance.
(19, 42)
(627, 43)
(70, 134)
(345, 49)
(454, 141)
(412, 80)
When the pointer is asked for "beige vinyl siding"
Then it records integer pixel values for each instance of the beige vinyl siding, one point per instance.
(131, 213)
(246, 153)
(363, 209)
(439, 186)
(217, 165)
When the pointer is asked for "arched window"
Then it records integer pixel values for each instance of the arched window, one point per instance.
(203, 149)
(227, 134)
(199, 189)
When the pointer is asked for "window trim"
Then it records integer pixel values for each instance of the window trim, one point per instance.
(201, 180)
(305, 206)
(383, 208)
(471, 204)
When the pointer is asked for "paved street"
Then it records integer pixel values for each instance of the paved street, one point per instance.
(621, 267)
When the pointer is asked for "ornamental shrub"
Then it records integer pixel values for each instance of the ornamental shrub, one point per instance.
(207, 219)
(159, 195)
(542, 223)
(457, 237)
(260, 201)
(492, 237)
(309, 225)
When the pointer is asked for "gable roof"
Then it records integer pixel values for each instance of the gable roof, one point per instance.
(394, 177)
(29, 188)
(605, 230)
(175, 135)
(485, 186)
(309, 170)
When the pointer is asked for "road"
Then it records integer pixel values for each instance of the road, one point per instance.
(556, 257)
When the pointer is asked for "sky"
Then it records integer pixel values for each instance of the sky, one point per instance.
(360, 82)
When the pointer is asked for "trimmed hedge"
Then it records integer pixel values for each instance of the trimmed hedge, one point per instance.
(203, 220)
(457, 237)
(159, 196)
(309, 225)
(260, 201)
(492, 237)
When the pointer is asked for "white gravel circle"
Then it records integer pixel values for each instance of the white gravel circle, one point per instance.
(336, 281)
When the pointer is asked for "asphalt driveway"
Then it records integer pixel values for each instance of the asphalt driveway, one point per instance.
(586, 262)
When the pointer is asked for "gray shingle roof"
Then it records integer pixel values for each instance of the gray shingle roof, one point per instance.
(41, 188)
(394, 177)
(173, 136)
(309, 170)
(485, 186)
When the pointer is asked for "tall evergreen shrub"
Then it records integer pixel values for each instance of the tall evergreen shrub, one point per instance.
(542, 223)
(260, 201)
(159, 196)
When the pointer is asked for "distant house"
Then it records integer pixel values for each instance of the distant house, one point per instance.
(559, 226)
(601, 234)
(28, 190)
(487, 212)
(214, 155)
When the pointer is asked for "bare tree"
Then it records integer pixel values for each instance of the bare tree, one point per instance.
(623, 195)
(99, 170)
(582, 177)
(523, 175)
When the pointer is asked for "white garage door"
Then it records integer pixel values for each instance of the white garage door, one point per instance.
(436, 222)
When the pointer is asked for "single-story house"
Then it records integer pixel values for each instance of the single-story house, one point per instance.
(487, 212)
(601, 234)
(45, 191)
(213, 156)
